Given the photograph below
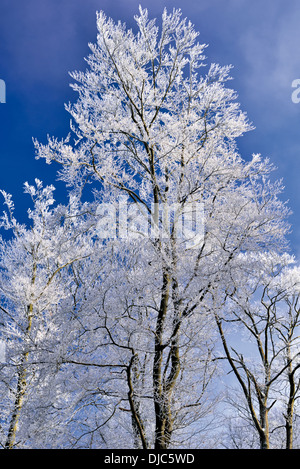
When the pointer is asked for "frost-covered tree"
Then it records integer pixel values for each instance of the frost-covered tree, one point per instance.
(258, 323)
(34, 283)
(149, 126)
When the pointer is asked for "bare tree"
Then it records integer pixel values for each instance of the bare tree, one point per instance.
(265, 314)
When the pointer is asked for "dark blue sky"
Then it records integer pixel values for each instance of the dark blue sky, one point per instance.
(42, 40)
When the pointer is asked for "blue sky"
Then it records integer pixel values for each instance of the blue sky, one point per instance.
(41, 41)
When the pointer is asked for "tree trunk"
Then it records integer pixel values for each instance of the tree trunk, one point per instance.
(264, 434)
(20, 393)
(159, 394)
(290, 406)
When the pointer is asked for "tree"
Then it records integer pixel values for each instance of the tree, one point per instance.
(33, 282)
(116, 338)
(147, 126)
(262, 309)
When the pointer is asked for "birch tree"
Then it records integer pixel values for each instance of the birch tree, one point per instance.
(33, 282)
